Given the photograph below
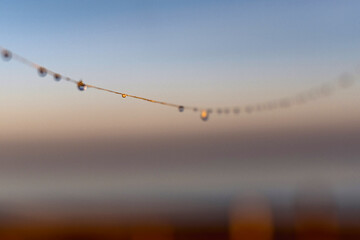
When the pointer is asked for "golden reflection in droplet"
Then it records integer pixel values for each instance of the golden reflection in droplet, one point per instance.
(81, 86)
(204, 115)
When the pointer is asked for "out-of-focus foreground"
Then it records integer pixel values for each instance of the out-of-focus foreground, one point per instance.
(244, 185)
(306, 217)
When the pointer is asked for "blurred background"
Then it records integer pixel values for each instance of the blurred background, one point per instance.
(92, 165)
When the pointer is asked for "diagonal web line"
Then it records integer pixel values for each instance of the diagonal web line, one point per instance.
(344, 81)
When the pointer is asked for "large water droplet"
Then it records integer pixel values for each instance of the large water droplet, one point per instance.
(57, 77)
(81, 86)
(204, 115)
(6, 55)
(181, 108)
(124, 95)
(42, 71)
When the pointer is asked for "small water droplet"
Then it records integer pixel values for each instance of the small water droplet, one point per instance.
(284, 103)
(249, 109)
(346, 80)
(124, 95)
(57, 77)
(6, 55)
(204, 115)
(300, 99)
(270, 106)
(42, 71)
(313, 94)
(326, 90)
(81, 86)
(181, 108)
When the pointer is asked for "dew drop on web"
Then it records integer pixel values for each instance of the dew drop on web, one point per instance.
(204, 115)
(6, 55)
(57, 77)
(42, 71)
(81, 86)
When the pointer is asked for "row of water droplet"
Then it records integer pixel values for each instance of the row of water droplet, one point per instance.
(42, 71)
(344, 81)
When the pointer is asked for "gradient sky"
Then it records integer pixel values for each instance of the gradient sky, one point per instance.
(206, 53)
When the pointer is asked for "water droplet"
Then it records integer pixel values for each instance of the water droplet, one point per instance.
(42, 71)
(285, 102)
(124, 95)
(326, 90)
(57, 77)
(181, 108)
(274, 105)
(204, 115)
(313, 94)
(249, 109)
(6, 55)
(81, 86)
(236, 111)
(300, 99)
(346, 80)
